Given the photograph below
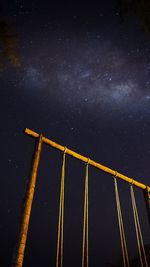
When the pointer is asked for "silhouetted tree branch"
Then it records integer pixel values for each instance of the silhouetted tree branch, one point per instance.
(138, 8)
(8, 41)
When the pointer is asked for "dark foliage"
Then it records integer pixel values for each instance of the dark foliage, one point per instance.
(138, 8)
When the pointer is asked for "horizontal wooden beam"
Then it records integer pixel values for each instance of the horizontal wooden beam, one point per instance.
(87, 160)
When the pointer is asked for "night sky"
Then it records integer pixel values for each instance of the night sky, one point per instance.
(80, 75)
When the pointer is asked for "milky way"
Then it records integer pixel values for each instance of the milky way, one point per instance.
(93, 73)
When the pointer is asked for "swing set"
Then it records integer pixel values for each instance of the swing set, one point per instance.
(21, 243)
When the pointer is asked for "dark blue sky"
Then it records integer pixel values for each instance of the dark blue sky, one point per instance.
(84, 82)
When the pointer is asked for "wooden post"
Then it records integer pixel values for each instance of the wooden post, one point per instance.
(146, 193)
(25, 218)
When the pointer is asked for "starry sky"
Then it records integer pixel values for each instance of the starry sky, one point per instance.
(82, 78)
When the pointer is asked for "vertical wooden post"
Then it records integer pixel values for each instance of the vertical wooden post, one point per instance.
(25, 217)
(146, 193)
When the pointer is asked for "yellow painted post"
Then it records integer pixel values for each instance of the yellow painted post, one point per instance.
(25, 218)
(147, 202)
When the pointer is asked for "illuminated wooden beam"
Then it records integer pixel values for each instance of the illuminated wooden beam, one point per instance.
(90, 161)
(19, 251)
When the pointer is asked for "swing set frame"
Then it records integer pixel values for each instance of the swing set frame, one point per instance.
(25, 218)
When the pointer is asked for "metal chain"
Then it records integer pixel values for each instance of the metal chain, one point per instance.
(121, 227)
(60, 235)
(85, 223)
(139, 237)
